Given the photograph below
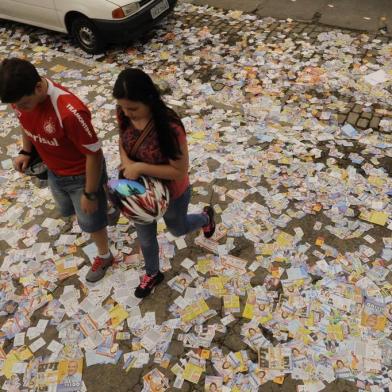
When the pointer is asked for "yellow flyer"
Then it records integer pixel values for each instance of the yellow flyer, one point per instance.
(194, 310)
(231, 303)
(117, 315)
(376, 217)
(192, 373)
(335, 332)
(203, 265)
(242, 367)
(9, 363)
(248, 311)
(215, 285)
(284, 240)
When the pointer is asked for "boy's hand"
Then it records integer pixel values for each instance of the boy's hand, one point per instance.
(88, 206)
(21, 162)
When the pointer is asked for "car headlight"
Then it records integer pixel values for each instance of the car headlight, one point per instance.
(125, 10)
(131, 8)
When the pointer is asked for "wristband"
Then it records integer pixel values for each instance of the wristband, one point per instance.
(24, 152)
(92, 196)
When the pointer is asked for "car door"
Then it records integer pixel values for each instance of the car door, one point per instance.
(36, 12)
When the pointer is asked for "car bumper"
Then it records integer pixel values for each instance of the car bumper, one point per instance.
(131, 27)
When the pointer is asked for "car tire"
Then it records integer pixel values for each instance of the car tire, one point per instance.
(86, 35)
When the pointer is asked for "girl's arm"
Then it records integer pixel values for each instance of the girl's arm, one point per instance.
(174, 170)
(123, 155)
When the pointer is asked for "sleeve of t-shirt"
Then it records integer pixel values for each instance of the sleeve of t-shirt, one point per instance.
(80, 131)
(180, 132)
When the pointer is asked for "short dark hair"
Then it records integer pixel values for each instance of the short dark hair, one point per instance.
(18, 78)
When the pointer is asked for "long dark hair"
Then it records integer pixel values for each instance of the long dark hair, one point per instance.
(135, 85)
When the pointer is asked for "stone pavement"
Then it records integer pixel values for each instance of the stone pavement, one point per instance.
(234, 36)
(355, 114)
(368, 15)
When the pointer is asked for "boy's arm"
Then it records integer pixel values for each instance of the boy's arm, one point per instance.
(26, 143)
(21, 161)
(82, 134)
(93, 171)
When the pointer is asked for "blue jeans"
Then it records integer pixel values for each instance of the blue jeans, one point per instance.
(178, 223)
(67, 192)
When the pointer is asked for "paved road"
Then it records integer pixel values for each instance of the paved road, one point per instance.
(355, 14)
(196, 48)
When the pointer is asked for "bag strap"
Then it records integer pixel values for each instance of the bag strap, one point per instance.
(146, 131)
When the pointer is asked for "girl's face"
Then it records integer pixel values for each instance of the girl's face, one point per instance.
(134, 110)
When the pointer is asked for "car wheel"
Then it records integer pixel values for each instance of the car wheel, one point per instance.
(87, 35)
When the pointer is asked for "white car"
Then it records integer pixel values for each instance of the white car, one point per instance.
(93, 23)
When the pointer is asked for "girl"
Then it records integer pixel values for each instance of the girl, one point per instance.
(162, 154)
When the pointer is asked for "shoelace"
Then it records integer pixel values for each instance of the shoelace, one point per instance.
(145, 281)
(97, 263)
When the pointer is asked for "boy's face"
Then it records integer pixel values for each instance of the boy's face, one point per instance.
(29, 102)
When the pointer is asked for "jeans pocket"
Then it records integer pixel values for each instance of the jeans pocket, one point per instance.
(71, 183)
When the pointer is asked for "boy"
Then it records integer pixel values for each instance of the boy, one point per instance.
(58, 125)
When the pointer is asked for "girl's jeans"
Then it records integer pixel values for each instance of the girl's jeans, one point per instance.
(178, 223)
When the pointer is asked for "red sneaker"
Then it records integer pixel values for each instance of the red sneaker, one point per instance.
(99, 267)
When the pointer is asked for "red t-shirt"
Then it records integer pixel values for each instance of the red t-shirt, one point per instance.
(60, 129)
(150, 152)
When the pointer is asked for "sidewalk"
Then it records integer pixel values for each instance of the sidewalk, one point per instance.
(369, 15)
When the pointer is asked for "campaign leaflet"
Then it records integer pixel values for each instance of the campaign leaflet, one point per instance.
(47, 375)
(70, 375)
(373, 315)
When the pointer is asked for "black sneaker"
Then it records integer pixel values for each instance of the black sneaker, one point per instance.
(209, 229)
(147, 284)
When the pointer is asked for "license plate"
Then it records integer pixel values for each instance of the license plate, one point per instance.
(159, 9)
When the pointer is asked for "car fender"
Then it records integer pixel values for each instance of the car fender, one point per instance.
(92, 9)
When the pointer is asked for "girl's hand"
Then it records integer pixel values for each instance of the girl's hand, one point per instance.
(132, 171)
